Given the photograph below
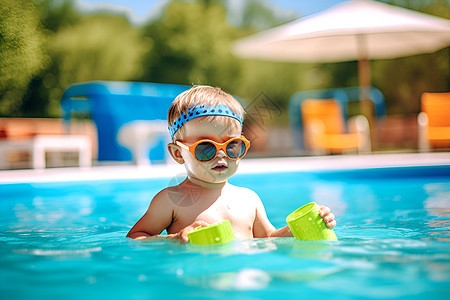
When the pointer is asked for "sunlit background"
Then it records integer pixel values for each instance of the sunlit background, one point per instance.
(47, 45)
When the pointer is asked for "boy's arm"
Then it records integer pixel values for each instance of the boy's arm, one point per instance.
(157, 218)
(324, 212)
(181, 235)
(262, 227)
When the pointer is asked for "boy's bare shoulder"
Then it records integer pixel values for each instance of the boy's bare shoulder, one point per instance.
(165, 195)
(171, 195)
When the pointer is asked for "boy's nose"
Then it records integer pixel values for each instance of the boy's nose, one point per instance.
(221, 154)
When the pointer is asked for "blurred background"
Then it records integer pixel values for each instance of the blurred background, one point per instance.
(47, 45)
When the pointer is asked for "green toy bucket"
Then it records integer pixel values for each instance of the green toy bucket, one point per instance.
(219, 233)
(306, 224)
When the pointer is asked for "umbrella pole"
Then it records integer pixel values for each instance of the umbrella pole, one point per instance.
(364, 76)
(364, 81)
(363, 67)
(364, 86)
(364, 94)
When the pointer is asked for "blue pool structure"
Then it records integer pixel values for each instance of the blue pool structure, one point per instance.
(63, 233)
(112, 104)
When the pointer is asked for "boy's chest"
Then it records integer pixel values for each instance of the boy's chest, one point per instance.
(233, 209)
(225, 210)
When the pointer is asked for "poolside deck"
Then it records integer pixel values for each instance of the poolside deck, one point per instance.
(247, 166)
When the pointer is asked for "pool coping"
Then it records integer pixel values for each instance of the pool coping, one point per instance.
(247, 166)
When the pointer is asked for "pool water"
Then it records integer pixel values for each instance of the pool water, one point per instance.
(67, 240)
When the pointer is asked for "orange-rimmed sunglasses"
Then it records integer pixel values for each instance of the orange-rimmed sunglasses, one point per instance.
(206, 150)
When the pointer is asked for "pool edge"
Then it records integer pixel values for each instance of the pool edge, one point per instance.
(247, 166)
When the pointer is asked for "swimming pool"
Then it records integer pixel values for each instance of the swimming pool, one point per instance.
(66, 239)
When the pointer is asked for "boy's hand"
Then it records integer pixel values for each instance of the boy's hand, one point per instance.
(327, 216)
(182, 235)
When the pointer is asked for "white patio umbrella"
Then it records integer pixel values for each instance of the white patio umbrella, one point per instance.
(355, 30)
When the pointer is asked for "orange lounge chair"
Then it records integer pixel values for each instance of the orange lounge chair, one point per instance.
(434, 121)
(324, 128)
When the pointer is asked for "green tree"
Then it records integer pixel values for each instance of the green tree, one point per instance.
(57, 14)
(54, 15)
(97, 47)
(21, 51)
(191, 44)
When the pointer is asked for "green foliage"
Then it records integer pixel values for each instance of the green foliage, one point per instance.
(191, 44)
(21, 51)
(257, 16)
(403, 80)
(439, 8)
(97, 47)
(49, 45)
(57, 14)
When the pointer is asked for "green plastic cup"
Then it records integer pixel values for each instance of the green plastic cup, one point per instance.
(306, 224)
(219, 233)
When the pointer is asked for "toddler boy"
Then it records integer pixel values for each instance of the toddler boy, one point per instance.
(206, 128)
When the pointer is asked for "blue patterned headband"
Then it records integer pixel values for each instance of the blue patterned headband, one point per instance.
(201, 111)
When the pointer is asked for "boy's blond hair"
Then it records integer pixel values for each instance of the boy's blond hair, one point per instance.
(203, 95)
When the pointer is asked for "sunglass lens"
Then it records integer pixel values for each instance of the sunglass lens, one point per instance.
(205, 151)
(235, 149)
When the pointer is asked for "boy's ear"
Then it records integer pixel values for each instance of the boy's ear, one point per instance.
(175, 152)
